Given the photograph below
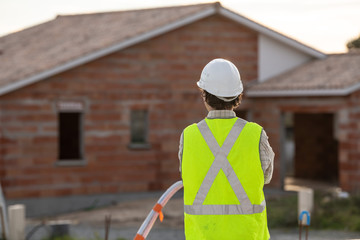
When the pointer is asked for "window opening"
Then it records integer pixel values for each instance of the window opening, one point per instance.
(139, 126)
(70, 136)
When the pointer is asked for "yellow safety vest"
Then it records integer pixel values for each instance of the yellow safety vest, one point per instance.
(223, 181)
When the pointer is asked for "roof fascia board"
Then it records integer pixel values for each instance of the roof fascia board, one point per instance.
(305, 93)
(270, 33)
(103, 52)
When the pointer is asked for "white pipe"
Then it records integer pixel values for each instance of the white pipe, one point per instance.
(151, 217)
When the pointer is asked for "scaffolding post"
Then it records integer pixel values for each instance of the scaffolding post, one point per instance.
(305, 202)
(4, 219)
(16, 222)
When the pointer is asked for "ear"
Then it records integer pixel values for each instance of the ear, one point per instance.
(202, 93)
(240, 98)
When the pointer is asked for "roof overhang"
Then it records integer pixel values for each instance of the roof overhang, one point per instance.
(304, 93)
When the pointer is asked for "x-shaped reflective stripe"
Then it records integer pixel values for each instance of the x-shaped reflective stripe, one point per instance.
(221, 162)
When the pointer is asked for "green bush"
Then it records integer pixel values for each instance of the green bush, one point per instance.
(329, 212)
(282, 211)
(61, 238)
(336, 213)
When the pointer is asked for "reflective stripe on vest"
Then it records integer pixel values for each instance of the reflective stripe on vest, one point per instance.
(221, 163)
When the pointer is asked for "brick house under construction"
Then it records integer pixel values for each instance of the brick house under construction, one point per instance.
(95, 104)
(317, 108)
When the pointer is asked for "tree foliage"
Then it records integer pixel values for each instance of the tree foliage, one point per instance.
(355, 43)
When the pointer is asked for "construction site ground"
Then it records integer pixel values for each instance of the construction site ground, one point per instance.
(126, 218)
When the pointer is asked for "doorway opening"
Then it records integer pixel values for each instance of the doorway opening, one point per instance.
(310, 147)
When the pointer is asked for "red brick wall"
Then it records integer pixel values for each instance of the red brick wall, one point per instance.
(267, 114)
(158, 75)
(349, 144)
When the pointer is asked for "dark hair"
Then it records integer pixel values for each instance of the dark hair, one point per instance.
(219, 104)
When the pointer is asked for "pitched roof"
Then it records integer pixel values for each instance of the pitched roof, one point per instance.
(337, 75)
(68, 41)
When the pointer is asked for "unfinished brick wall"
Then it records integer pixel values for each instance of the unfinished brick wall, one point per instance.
(265, 113)
(158, 75)
(349, 144)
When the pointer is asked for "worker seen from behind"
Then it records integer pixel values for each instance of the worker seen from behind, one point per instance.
(224, 162)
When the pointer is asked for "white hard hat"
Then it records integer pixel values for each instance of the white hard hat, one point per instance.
(221, 78)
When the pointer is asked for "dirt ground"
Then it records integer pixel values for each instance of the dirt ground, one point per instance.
(127, 217)
(126, 214)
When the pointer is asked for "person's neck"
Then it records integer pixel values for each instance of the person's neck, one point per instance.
(212, 109)
(209, 108)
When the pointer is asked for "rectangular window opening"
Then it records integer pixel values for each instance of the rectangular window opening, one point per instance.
(70, 136)
(139, 128)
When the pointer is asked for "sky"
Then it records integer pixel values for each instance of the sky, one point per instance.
(326, 25)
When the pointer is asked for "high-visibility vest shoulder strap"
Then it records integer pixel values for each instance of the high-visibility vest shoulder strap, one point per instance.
(222, 163)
